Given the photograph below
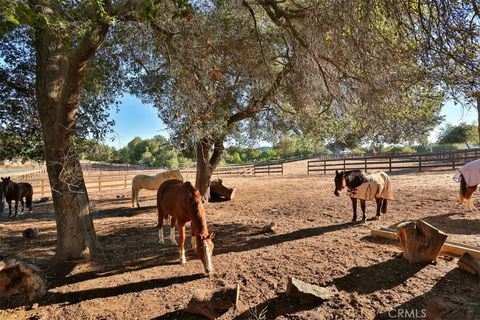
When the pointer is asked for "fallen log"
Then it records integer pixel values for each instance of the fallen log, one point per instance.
(420, 241)
(218, 190)
(213, 303)
(449, 247)
(469, 263)
(21, 284)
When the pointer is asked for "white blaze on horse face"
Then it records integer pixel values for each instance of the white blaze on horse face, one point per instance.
(172, 236)
(160, 236)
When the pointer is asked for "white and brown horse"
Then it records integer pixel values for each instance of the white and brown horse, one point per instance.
(363, 186)
(143, 181)
(182, 203)
(469, 178)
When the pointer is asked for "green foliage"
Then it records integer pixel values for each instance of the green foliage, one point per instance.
(154, 152)
(461, 133)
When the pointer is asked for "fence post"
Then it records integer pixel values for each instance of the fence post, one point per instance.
(282, 168)
(324, 166)
(344, 164)
(366, 164)
(268, 169)
(390, 163)
(453, 159)
(100, 181)
(420, 163)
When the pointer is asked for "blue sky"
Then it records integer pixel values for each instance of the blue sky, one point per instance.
(136, 119)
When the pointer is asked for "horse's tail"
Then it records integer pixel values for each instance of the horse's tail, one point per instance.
(463, 189)
(29, 196)
(384, 206)
(133, 195)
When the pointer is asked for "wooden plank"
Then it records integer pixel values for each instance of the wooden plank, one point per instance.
(449, 247)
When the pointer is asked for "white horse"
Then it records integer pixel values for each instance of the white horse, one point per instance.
(143, 181)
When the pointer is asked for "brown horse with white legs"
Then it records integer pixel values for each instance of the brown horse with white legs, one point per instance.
(183, 203)
(469, 178)
(16, 192)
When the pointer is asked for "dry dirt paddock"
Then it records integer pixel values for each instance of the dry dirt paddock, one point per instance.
(135, 278)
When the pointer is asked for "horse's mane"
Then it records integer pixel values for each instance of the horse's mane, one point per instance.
(355, 178)
(199, 216)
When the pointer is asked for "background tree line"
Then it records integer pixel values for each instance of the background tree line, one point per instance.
(160, 152)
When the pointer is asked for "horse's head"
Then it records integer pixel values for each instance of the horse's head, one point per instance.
(339, 182)
(205, 251)
(5, 181)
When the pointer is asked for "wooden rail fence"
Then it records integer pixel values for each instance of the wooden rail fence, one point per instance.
(99, 181)
(420, 162)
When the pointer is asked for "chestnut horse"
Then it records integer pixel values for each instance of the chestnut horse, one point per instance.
(469, 178)
(17, 191)
(365, 186)
(183, 203)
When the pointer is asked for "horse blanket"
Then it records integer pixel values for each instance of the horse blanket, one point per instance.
(377, 186)
(470, 172)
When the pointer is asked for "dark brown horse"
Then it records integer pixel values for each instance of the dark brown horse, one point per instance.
(2, 202)
(376, 185)
(183, 203)
(17, 191)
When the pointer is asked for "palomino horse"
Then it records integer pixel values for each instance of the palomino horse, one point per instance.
(183, 203)
(469, 178)
(17, 191)
(143, 181)
(365, 186)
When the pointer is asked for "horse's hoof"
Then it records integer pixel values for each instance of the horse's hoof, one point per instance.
(161, 242)
(377, 217)
(183, 262)
(364, 220)
(174, 243)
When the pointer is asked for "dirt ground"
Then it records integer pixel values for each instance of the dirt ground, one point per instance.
(136, 278)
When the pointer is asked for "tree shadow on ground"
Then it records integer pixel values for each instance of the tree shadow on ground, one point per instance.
(384, 275)
(239, 237)
(445, 223)
(276, 307)
(137, 248)
(78, 296)
(125, 250)
(41, 211)
(455, 286)
(121, 212)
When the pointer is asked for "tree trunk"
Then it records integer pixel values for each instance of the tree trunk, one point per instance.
(204, 169)
(59, 79)
(206, 165)
(477, 95)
